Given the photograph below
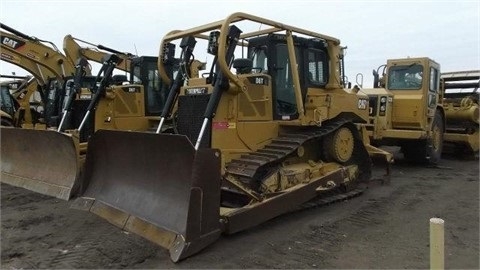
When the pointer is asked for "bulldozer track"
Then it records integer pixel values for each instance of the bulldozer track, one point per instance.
(328, 199)
(251, 168)
(248, 167)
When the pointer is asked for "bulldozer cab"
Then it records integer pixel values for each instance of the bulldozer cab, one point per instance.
(138, 70)
(144, 71)
(272, 50)
(270, 55)
(125, 99)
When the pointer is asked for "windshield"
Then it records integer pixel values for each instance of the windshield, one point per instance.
(405, 77)
(259, 59)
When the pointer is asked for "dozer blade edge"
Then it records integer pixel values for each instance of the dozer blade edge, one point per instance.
(154, 185)
(42, 161)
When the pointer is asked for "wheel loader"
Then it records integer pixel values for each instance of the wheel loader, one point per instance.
(267, 129)
(409, 108)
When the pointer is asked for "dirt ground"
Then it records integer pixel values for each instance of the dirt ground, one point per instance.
(386, 227)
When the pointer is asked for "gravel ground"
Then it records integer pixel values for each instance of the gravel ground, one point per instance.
(386, 227)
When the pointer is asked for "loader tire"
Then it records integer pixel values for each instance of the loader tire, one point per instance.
(436, 142)
(427, 151)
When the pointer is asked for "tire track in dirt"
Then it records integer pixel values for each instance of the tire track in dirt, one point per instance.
(107, 247)
(323, 242)
(68, 238)
(326, 237)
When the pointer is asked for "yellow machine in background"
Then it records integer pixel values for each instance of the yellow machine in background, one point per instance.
(461, 102)
(21, 102)
(412, 111)
(49, 67)
(79, 105)
(142, 69)
(56, 73)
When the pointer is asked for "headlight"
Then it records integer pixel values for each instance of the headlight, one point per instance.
(383, 105)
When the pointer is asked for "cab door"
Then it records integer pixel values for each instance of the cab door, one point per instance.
(407, 83)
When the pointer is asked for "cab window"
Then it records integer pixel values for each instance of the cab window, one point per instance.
(284, 92)
(434, 80)
(259, 59)
(405, 77)
(317, 67)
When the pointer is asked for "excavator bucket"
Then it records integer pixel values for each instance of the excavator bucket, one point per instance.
(43, 161)
(154, 185)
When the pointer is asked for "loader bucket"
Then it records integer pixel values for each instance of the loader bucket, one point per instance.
(40, 160)
(155, 185)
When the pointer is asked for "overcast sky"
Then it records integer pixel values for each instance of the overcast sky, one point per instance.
(447, 31)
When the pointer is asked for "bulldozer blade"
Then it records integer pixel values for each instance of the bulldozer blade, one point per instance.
(155, 185)
(42, 161)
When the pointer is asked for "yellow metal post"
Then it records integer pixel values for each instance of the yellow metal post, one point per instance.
(437, 248)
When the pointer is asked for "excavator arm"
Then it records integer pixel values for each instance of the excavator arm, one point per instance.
(39, 57)
(73, 51)
(40, 72)
(21, 45)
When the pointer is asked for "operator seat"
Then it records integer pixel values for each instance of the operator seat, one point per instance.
(243, 65)
(119, 79)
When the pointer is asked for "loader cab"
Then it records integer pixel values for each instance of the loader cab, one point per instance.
(405, 77)
(415, 85)
(270, 55)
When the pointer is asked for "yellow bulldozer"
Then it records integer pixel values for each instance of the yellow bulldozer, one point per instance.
(47, 63)
(76, 106)
(410, 107)
(140, 69)
(268, 128)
